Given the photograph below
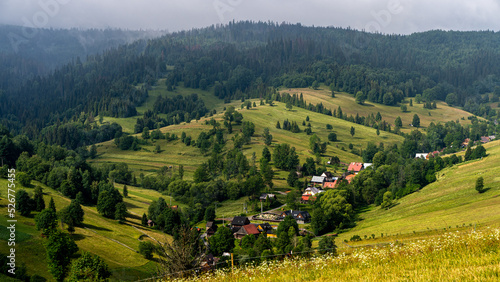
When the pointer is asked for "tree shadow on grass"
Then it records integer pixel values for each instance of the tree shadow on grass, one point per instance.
(134, 216)
(485, 190)
(93, 227)
(78, 237)
(131, 206)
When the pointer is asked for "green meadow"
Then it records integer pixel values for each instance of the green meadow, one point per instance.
(347, 102)
(449, 203)
(116, 243)
(176, 153)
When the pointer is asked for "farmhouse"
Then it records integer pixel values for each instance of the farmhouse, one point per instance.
(249, 229)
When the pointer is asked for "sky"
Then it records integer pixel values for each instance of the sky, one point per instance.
(384, 16)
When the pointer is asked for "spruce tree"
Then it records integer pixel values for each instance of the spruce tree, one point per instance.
(52, 205)
(125, 191)
(38, 198)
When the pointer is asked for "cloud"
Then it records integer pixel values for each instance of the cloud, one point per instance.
(386, 16)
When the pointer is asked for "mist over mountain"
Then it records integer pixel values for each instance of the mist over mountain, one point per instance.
(241, 59)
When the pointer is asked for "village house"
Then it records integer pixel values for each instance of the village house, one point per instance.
(265, 196)
(249, 229)
(263, 227)
(300, 216)
(238, 222)
(349, 178)
(310, 194)
(331, 184)
(355, 167)
(485, 139)
(312, 191)
(317, 180)
(209, 261)
(327, 175)
(211, 228)
(422, 156)
(466, 142)
(267, 229)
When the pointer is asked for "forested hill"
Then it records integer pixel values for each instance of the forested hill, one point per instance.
(26, 52)
(247, 59)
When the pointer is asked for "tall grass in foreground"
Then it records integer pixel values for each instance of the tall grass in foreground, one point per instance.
(456, 256)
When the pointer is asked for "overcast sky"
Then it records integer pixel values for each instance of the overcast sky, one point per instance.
(386, 16)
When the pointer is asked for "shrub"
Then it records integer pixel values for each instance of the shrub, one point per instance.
(332, 137)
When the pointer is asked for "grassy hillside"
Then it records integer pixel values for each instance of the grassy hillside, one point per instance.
(347, 102)
(449, 202)
(115, 243)
(176, 153)
(454, 256)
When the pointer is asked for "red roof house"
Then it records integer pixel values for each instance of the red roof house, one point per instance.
(248, 229)
(330, 184)
(350, 177)
(355, 167)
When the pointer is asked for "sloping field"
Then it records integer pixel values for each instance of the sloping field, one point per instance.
(347, 102)
(176, 153)
(115, 243)
(451, 201)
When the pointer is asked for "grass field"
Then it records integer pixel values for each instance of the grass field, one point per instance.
(453, 256)
(103, 237)
(347, 102)
(449, 202)
(176, 153)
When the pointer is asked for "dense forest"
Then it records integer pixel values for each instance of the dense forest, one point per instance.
(248, 59)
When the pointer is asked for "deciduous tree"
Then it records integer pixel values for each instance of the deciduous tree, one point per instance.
(89, 267)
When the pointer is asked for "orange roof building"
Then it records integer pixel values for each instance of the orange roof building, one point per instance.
(330, 184)
(355, 167)
(350, 177)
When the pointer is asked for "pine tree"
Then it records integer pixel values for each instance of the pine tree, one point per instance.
(468, 152)
(144, 220)
(125, 191)
(52, 205)
(38, 198)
